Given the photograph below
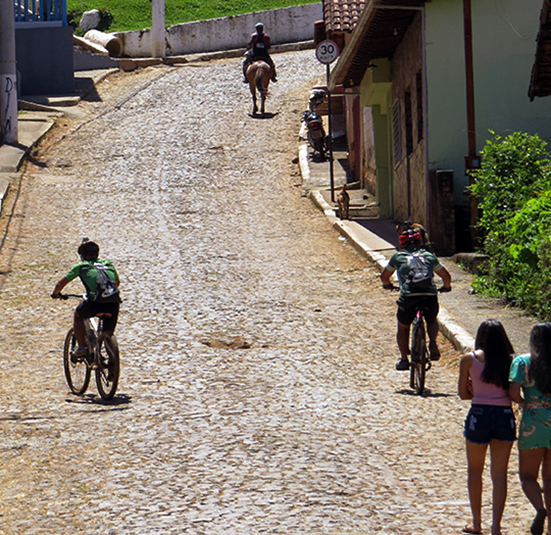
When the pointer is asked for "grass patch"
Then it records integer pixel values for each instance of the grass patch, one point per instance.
(136, 14)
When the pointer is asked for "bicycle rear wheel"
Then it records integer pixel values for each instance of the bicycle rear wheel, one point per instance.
(107, 373)
(77, 371)
(418, 356)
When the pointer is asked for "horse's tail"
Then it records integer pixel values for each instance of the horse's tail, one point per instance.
(260, 76)
(258, 81)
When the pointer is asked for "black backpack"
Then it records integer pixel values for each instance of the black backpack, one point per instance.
(107, 290)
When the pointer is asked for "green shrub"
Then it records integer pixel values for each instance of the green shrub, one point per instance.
(106, 19)
(514, 191)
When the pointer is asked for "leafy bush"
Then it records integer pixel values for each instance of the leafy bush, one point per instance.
(514, 188)
(106, 19)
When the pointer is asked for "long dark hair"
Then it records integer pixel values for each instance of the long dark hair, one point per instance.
(498, 352)
(540, 357)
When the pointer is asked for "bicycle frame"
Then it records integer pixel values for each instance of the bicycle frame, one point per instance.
(102, 357)
(420, 363)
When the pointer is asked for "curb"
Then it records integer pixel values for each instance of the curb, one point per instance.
(130, 64)
(459, 337)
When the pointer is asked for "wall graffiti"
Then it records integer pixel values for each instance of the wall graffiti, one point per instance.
(8, 107)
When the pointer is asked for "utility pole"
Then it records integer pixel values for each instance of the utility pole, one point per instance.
(8, 74)
(158, 48)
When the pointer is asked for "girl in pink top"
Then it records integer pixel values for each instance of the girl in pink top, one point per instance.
(484, 379)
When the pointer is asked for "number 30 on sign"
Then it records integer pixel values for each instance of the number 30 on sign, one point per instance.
(327, 52)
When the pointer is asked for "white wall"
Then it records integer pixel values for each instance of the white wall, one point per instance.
(286, 25)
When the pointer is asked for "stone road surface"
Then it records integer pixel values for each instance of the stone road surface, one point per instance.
(258, 390)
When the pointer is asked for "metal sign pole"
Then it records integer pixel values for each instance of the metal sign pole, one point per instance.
(330, 137)
(327, 52)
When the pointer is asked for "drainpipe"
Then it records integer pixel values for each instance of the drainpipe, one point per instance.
(472, 161)
(425, 99)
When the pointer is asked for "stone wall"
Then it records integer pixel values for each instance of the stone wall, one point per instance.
(286, 25)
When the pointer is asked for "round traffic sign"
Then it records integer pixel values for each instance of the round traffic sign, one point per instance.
(327, 52)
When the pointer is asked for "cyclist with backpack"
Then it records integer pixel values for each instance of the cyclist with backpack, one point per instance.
(101, 280)
(415, 267)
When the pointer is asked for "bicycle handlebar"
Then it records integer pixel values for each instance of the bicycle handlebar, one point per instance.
(442, 289)
(64, 297)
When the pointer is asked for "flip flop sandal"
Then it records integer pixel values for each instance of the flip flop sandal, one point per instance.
(467, 529)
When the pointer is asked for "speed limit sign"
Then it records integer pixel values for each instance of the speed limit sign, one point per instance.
(327, 52)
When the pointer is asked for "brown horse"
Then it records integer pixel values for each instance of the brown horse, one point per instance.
(259, 75)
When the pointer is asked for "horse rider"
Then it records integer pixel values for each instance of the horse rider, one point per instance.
(257, 49)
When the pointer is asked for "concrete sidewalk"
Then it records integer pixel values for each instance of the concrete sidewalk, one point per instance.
(461, 311)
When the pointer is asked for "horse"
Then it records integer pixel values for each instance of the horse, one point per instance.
(259, 75)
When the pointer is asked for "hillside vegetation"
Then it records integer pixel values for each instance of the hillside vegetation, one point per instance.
(136, 14)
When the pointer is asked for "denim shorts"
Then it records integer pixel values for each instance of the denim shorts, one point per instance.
(485, 423)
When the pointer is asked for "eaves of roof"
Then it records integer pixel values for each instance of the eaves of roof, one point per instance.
(377, 34)
(342, 15)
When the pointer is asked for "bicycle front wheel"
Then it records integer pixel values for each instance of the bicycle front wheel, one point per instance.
(107, 372)
(418, 356)
(77, 371)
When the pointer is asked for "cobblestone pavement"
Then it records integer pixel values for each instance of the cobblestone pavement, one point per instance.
(258, 391)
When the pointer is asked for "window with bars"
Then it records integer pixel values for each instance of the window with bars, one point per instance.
(397, 131)
(409, 122)
(420, 115)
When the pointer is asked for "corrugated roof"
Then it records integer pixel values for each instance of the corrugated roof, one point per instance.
(342, 15)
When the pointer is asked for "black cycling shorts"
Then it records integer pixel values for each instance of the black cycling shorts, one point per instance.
(89, 309)
(409, 305)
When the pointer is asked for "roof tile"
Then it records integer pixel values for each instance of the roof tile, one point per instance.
(342, 15)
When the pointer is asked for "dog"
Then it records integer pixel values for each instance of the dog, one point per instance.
(343, 201)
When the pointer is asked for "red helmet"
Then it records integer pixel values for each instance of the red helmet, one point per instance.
(410, 235)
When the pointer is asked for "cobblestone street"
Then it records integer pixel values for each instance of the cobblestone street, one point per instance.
(258, 392)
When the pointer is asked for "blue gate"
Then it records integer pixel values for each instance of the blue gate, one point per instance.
(41, 11)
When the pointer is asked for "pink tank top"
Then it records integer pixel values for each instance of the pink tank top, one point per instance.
(486, 393)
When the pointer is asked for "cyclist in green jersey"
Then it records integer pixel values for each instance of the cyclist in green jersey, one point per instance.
(412, 297)
(89, 253)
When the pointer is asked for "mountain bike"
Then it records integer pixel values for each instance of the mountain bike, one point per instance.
(102, 356)
(420, 359)
(420, 363)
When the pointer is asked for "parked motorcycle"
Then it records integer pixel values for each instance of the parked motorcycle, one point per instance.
(314, 123)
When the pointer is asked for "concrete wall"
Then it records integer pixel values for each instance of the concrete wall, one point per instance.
(286, 25)
(45, 60)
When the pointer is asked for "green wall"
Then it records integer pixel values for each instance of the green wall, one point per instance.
(504, 42)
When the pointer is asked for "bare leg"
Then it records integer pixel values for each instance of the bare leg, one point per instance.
(432, 330)
(529, 465)
(499, 458)
(80, 330)
(546, 476)
(476, 455)
(402, 337)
